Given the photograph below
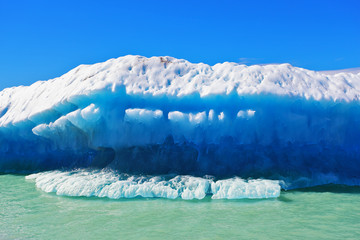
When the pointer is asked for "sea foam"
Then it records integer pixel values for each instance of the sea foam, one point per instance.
(115, 186)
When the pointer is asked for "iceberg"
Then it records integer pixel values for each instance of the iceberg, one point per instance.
(163, 115)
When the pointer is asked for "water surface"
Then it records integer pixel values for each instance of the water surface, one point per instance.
(331, 212)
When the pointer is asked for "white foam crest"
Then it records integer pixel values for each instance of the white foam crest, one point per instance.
(115, 186)
(237, 188)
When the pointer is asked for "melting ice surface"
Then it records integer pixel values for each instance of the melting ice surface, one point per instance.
(113, 185)
(161, 115)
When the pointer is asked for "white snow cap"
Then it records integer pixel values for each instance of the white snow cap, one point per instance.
(172, 77)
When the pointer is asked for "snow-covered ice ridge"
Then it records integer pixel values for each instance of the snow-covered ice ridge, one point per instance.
(163, 115)
(168, 76)
(115, 186)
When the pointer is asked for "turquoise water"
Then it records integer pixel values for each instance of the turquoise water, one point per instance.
(319, 213)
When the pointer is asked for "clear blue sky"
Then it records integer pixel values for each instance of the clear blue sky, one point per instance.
(40, 40)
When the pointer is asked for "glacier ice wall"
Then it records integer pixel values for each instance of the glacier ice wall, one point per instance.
(163, 115)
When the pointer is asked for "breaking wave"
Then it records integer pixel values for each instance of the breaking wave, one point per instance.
(114, 185)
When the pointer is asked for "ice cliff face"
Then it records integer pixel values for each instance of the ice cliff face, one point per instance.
(164, 115)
